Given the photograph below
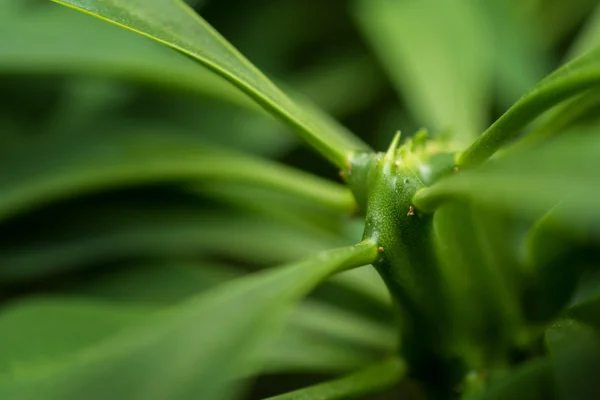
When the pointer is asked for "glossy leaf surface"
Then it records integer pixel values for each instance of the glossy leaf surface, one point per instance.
(182, 352)
(176, 25)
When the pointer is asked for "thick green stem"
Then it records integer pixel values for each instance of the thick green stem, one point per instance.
(384, 185)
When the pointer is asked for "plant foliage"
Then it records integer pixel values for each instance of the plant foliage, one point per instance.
(150, 185)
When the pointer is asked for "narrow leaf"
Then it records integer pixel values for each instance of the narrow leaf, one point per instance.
(585, 304)
(575, 352)
(570, 80)
(174, 24)
(370, 380)
(589, 38)
(81, 164)
(114, 233)
(193, 350)
(571, 113)
(531, 182)
(437, 55)
(45, 39)
(40, 330)
(531, 380)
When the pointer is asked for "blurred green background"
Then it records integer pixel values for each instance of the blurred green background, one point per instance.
(79, 95)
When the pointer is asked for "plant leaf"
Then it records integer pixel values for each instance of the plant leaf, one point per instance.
(569, 114)
(192, 350)
(40, 330)
(531, 182)
(112, 233)
(174, 24)
(478, 263)
(369, 380)
(531, 380)
(575, 352)
(438, 57)
(49, 39)
(570, 80)
(168, 284)
(585, 304)
(589, 38)
(67, 165)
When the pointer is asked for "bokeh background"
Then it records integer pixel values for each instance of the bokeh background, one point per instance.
(78, 94)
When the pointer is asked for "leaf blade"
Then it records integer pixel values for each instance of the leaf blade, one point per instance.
(175, 355)
(369, 380)
(174, 24)
(571, 79)
(82, 164)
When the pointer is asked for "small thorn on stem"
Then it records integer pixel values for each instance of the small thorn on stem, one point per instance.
(381, 249)
(455, 169)
(391, 153)
(342, 174)
(411, 211)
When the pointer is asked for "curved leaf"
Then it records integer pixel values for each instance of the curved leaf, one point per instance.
(115, 233)
(529, 183)
(482, 281)
(531, 380)
(585, 304)
(571, 113)
(369, 380)
(169, 283)
(589, 38)
(65, 166)
(48, 39)
(573, 78)
(173, 23)
(41, 330)
(437, 55)
(575, 353)
(184, 352)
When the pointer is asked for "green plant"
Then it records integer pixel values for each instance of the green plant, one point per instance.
(486, 243)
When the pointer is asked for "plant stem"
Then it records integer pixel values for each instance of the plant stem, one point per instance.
(372, 379)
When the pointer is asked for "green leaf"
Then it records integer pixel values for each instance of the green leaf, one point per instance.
(556, 258)
(575, 352)
(317, 337)
(589, 38)
(369, 380)
(68, 165)
(559, 19)
(41, 330)
(532, 380)
(571, 113)
(176, 25)
(159, 285)
(570, 80)
(111, 233)
(481, 276)
(48, 39)
(193, 350)
(585, 304)
(531, 182)
(437, 55)
(519, 53)
(151, 285)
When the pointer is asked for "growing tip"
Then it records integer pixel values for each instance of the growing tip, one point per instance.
(391, 153)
